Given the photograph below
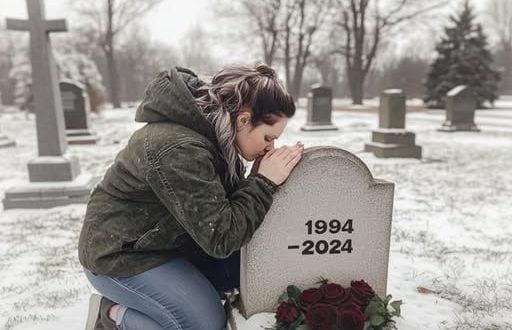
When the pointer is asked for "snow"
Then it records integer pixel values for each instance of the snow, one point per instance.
(452, 228)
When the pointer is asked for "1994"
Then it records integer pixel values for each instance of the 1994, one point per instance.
(334, 246)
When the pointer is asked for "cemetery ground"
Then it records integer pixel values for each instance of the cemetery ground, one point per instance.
(451, 242)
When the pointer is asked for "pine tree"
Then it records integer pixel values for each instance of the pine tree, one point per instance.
(463, 59)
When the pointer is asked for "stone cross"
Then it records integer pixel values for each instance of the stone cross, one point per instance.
(54, 177)
(331, 219)
(47, 100)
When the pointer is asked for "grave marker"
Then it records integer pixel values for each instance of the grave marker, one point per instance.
(391, 139)
(319, 109)
(461, 104)
(331, 219)
(54, 176)
(76, 113)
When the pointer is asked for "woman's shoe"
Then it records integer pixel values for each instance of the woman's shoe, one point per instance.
(98, 319)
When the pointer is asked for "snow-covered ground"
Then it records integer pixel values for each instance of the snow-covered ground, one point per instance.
(452, 223)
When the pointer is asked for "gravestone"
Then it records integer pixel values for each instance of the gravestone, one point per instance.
(54, 176)
(319, 109)
(75, 104)
(391, 139)
(461, 104)
(331, 219)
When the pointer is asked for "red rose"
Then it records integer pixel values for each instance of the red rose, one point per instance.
(320, 317)
(287, 313)
(310, 297)
(350, 317)
(333, 294)
(361, 293)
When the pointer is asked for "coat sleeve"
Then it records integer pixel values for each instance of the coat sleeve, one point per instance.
(186, 182)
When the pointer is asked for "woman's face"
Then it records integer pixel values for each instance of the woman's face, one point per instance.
(254, 141)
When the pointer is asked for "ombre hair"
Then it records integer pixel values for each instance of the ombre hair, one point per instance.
(233, 88)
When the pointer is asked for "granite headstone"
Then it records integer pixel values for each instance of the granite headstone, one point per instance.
(319, 109)
(331, 219)
(391, 139)
(461, 104)
(75, 104)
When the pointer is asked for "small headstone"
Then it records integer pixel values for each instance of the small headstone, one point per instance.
(461, 104)
(75, 104)
(331, 219)
(391, 139)
(319, 109)
(55, 178)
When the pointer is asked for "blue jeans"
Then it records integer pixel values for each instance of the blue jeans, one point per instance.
(182, 294)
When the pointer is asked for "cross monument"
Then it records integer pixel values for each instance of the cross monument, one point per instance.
(54, 177)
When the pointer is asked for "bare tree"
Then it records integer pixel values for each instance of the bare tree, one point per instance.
(193, 56)
(10, 48)
(139, 59)
(286, 30)
(500, 18)
(265, 15)
(364, 25)
(303, 20)
(108, 18)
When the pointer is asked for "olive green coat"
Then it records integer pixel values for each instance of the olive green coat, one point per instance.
(166, 193)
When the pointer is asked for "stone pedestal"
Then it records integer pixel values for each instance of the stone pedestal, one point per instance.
(50, 194)
(391, 139)
(399, 143)
(460, 110)
(331, 219)
(319, 110)
(53, 169)
(81, 136)
(54, 181)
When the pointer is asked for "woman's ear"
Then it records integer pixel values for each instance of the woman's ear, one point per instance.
(243, 119)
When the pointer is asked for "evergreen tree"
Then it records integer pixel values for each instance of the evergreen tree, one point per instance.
(463, 59)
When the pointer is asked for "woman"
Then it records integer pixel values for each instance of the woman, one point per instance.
(163, 229)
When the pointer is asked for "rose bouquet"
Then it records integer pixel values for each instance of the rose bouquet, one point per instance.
(333, 307)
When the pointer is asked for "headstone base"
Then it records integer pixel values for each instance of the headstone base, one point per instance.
(381, 150)
(393, 143)
(81, 136)
(6, 142)
(319, 127)
(53, 168)
(450, 127)
(50, 194)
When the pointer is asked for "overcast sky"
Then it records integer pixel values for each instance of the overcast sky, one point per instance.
(167, 22)
(171, 19)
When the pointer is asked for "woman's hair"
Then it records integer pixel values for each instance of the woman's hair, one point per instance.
(234, 87)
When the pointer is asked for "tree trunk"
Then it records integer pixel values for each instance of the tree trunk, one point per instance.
(113, 79)
(356, 81)
(111, 61)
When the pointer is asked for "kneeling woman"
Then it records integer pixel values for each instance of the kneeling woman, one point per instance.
(163, 229)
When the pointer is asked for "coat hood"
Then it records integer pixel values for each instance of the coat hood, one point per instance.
(168, 97)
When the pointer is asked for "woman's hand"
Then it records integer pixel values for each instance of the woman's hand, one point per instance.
(277, 164)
